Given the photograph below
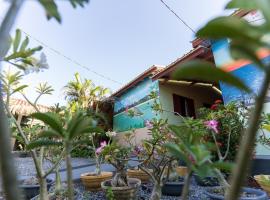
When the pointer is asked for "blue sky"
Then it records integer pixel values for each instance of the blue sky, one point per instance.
(117, 38)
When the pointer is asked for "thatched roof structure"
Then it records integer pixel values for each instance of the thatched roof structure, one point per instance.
(22, 107)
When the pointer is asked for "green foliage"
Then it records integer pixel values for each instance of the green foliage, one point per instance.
(11, 82)
(232, 119)
(67, 130)
(22, 56)
(51, 7)
(202, 70)
(109, 194)
(84, 93)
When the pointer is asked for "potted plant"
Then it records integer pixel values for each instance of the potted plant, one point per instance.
(92, 180)
(31, 186)
(121, 186)
(264, 182)
(174, 183)
(201, 157)
(154, 158)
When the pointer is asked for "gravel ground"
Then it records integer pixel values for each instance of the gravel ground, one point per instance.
(196, 193)
(25, 166)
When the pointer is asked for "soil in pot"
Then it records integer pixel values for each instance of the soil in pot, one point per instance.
(173, 188)
(217, 193)
(208, 181)
(92, 182)
(129, 192)
(31, 187)
(139, 174)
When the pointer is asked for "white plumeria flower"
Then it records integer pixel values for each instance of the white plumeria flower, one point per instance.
(42, 63)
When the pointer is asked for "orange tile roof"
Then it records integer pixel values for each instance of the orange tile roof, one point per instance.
(147, 73)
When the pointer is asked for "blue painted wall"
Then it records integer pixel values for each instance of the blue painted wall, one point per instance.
(135, 99)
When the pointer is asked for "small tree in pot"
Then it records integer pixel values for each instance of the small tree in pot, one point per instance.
(121, 186)
(92, 180)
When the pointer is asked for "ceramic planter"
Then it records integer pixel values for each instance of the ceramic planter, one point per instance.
(92, 182)
(255, 194)
(139, 174)
(129, 192)
(262, 183)
(173, 188)
(31, 191)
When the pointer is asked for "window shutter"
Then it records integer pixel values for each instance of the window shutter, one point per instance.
(191, 108)
(176, 103)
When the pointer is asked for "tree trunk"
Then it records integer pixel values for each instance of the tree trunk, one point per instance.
(43, 189)
(8, 172)
(98, 167)
(156, 192)
(186, 186)
(69, 173)
(58, 186)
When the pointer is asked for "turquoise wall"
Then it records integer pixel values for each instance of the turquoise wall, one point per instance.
(136, 99)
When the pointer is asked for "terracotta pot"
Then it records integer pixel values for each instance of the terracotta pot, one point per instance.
(92, 182)
(129, 192)
(263, 185)
(139, 174)
(181, 170)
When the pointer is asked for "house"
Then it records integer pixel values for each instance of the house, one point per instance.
(243, 69)
(182, 97)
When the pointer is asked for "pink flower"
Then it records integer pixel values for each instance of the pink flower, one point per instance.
(99, 150)
(148, 124)
(102, 145)
(212, 125)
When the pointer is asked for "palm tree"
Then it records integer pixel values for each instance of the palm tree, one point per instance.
(84, 93)
(63, 132)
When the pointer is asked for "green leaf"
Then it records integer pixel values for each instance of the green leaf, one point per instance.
(206, 71)
(242, 51)
(262, 5)
(48, 134)
(50, 119)
(227, 166)
(24, 44)
(17, 40)
(74, 3)
(41, 143)
(51, 9)
(234, 28)
(18, 89)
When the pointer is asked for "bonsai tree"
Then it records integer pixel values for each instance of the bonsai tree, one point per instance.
(153, 157)
(63, 132)
(117, 156)
(99, 156)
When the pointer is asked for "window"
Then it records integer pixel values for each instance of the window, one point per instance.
(184, 106)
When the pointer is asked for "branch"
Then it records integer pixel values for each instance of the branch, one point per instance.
(55, 165)
(247, 143)
(8, 175)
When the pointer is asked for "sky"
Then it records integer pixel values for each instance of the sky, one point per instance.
(116, 38)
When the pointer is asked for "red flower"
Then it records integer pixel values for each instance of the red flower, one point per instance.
(214, 107)
(218, 101)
